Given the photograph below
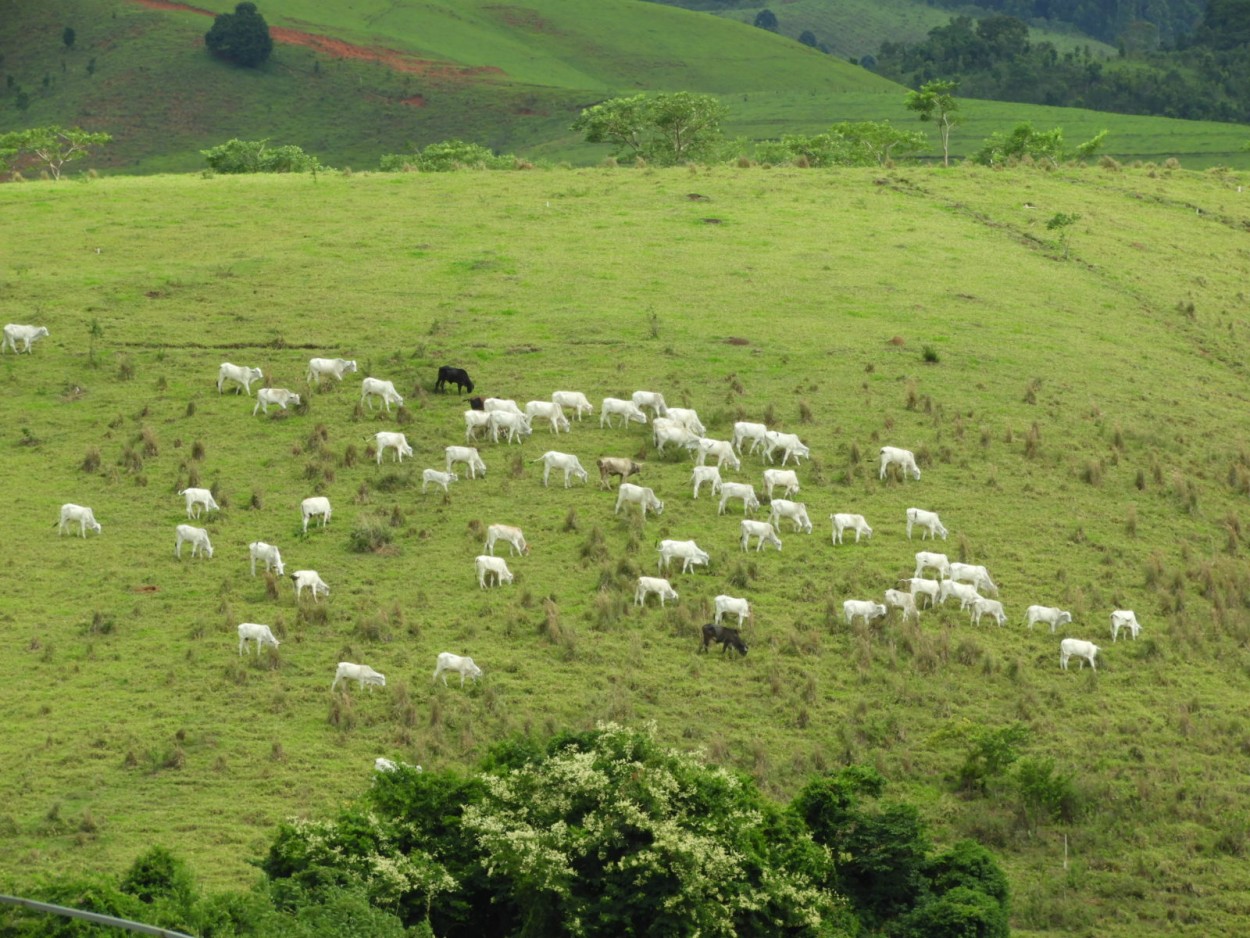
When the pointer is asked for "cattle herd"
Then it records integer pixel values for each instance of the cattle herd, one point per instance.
(504, 421)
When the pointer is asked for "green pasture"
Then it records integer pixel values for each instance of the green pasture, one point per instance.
(1080, 425)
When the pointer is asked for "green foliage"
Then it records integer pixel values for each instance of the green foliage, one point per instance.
(1059, 223)
(68, 36)
(255, 156)
(241, 37)
(861, 143)
(959, 913)
(660, 128)
(446, 157)
(990, 753)
(766, 19)
(935, 101)
(1046, 794)
(1039, 145)
(969, 864)
(53, 146)
(158, 874)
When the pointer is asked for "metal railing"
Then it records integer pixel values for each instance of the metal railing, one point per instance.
(94, 917)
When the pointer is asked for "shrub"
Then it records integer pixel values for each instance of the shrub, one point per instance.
(446, 157)
(370, 534)
(254, 156)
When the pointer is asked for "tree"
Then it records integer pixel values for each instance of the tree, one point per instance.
(766, 19)
(68, 37)
(253, 156)
(808, 38)
(52, 146)
(241, 36)
(663, 128)
(935, 101)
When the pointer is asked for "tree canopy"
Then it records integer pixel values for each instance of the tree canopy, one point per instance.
(661, 128)
(241, 37)
(52, 146)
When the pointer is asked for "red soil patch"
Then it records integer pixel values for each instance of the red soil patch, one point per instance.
(415, 101)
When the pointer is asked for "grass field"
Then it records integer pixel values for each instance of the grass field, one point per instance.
(1081, 432)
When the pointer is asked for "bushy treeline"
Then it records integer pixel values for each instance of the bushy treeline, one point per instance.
(598, 833)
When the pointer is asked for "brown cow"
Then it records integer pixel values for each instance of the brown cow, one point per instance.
(616, 466)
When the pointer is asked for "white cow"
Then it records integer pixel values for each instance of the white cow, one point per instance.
(486, 565)
(786, 477)
(905, 459)
(501, 405)
(742, 490)
(987, 607)
(335, 368)
(438, 478)
(1124, 619)
(921, 587)
(387, 439)
(549, 411)
(703, 474)
(652, 399)
(755, 432)
(574, 400)
(313, 507)
(376, 387)
(653, 584)
(564, 462)
(690, 554)
(240, 375)
(1049, 614)
(506, 532)
(197, 499)
(638, 495)
(280, 396)
(898, 599)
(517, 425)
(467, 455)
(80, 513)
(361, 673)
(966, 593)
(266, 554)
(475, 420)
(759, 529)
(732, 605)
(626, 410)
(310, 580)
(928, 520)
(462, 665)
(864, 608)
(795, 511)
(1070, 647)
(975, 574)
(926, 560)
(14, 333)
(259, 633)
(843, 521)
(663, 432)
(197, 537)
(723, 450)
(687, 417)
(788, 443)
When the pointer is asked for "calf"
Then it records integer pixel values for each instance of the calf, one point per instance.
(795, 511)
(309, 580)
(280, 396)
(266, 554)
(1049, 614)
(759, 529)
(564, 462)
(868, 610)
(728, 638)
(653, 584)
(733, 606)
(574, 400)
(703, 474)
(509, 534)
(376, 387)
(239, 374)
(197, 537)
(741, 490)
(626, 410)
(990, 607)
(335, 368)
(460, 664)
(457, 376)
(438, 478)
(467, 455)
(926, 519)
(903, 458)
(1124, 619)
(843, 521)
(386, 439)
(361, 673)
(259, 633)
(629, 493)
(486, 565)
(80, 513)
(786, 477)
(197, 499)
(616, 466)
(14, 333)
(318, 506)
(1086, 651)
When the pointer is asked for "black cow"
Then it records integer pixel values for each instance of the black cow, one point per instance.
(457, 376)
(728, 638)
(476, 403)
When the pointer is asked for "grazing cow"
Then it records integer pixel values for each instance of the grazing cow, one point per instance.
(928, 520)
(280, 396)
(728, 638)
(501, 404)
(755, 432)
(457, 376)
(553, 413)
(688, 552)
(664, 431)
(259, 633)
(14, 333)
(1086, 651)
(905, 459)
(197, 537)
(920, 587)
(361, 673)
(335, 368)
(574, 400)
(966, 593)
(240, 375)
(376, 387)
(733, 606)
(80, 513)
(652, 399)
(197, 499)
(626, 410)
(788, 443)
(987, 607)
(517, 425)
(864, 608)
(786, 477)
(266, 554)
(687, 417)
(462, 665)
(313, 507)
(467, 455)
(1049, 614)
(475, 420)
(310, 580)
(506, 532)
(638, 495)
(742, 490)
(485, 565)
(1124, 619)
(438, 478)
(926, 560)
(386, 439)
(653, 584)
(795, 511)
(618, 466)
(975, 574)
(843, 521)
(759, 529)
(703, 474)
(565, 462)
(723, 450)
(898, 599)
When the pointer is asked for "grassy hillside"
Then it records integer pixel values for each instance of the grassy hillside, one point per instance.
(1078, 423)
